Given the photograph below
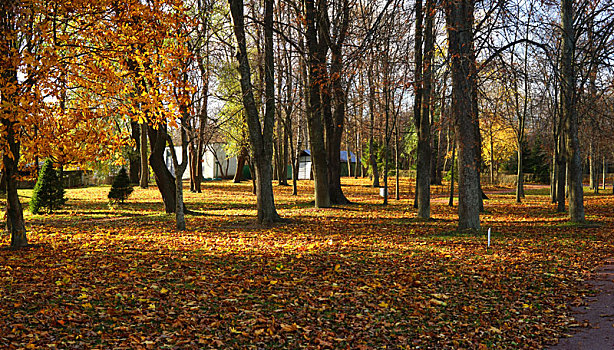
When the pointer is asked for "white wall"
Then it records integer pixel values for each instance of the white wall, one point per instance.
(215, 162)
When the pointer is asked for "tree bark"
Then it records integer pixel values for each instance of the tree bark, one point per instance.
(243, 154)
(520, 177)
(314, 114)
(179, 170)
(451, 198)
(418, 83)
(372, 156)
(561, 172)
(423, 167)
(15, 223)
(260, 136)
(334, 122)
(163, 177)
(570, 114)
(144, 179)
(135, 156)
(459, 18)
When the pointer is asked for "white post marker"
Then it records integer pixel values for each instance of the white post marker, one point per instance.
(488, 237)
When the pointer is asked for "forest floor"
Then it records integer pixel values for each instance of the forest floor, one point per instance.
(360, 276)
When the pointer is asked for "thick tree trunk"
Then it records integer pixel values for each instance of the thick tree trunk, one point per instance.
(570, 114)
(314, 114)
(135, 156)
(335, 122)
(243, 154)
(418, 91)
(260, 136)
(423, 167)
(459, 17)
(15, 223)
(179, 170)
(164, 179)
(9, 103)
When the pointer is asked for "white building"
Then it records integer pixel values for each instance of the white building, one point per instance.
(216, 163)
(304, 164)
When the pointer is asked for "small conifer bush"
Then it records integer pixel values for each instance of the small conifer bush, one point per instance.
(49, 191)
(121, 187)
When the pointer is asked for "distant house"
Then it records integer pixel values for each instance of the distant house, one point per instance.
(304, 164)
(216, 163)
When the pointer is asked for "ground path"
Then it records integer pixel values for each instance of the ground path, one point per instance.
(595, 316)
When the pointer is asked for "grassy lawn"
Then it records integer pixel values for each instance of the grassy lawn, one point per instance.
(361, 276)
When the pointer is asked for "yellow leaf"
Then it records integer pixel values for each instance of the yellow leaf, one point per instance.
(273, 282)
(337, 267)
(289, 327)
(87, 306)
(163, 290)
(438, 302)
(383, 304)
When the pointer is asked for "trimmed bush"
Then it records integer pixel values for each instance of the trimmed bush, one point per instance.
(49, 191)
(121, 187)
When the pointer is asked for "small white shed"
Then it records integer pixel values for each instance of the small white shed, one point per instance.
(304, 164)
(216, 163)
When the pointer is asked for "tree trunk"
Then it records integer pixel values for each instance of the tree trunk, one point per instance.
(451, 199)
(260, 136)
(436, 158)
(603, 170)
(15, 223)
(423, 167)
(314, 114)
(570, 114)
(9, 104)
(335, 122)
(179, 170)
(164, 179)
(144, 180)
(459, 17)
(591, 166)
(553, 177)
(243, 154)
(519, 177)
(492, 159)
(135, 156)
(359, 153)
(396, 161)
(372, 157)
(418, 84)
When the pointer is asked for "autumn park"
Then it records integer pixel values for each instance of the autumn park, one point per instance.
(315, 174)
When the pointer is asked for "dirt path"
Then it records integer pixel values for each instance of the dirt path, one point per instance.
(597, 313)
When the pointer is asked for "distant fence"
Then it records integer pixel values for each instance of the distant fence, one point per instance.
(71, 178)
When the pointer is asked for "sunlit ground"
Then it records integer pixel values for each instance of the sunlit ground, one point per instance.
(358, 276)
